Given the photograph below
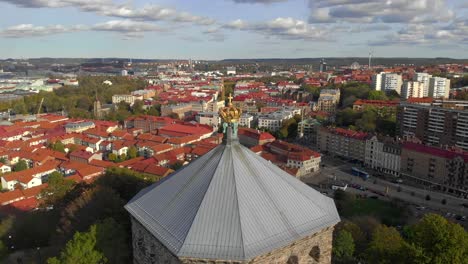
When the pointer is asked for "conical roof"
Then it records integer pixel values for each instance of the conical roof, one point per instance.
(231, 204)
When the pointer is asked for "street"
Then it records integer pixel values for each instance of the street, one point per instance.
(336, 171)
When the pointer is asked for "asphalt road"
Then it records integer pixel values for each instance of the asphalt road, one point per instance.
(336, 171)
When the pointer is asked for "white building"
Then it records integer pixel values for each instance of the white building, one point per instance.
(387, 82)
(383, 155)
(246, 120)
(412, 89)
(304, 163)
(439, 87)
(127, 98)
(231, 71)
(377, 82)
(274, 121)
(209, 118)
(424, 78)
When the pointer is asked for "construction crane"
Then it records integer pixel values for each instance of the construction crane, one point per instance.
(40, 106)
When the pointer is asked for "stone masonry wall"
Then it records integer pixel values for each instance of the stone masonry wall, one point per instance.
(314, 249)
(147, 249)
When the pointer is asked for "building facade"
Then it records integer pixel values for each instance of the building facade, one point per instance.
(424, 78)
(412, 89)
(443, 169)
(438, 123)
(383, 154)
(387, 82)
(342, 142)
(127, 98)
(439, 87)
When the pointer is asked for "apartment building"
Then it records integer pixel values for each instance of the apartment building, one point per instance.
(443, 169)
(180, 110)
(328, 100)
(209, 118)
(274, 121)
(342, 142)
(383, 154)
(127, 98)
(424, 78)
(387, 82)
(440, 123)
(439, 87)
(412, 89)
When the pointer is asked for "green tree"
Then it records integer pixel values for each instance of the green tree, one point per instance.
(80, 250)
(112, 241)
(56, 189)
(112, 157)
(367, 121)
(132, 152)
(386, 246)
(393, 95)
(441, 240)
(21, 165)
(94, 204)
(58, 146)
(377, 95)
(137, 107)
(343, 247)
(154, 111)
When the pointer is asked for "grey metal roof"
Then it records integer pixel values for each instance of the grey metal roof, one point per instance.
(231, 204)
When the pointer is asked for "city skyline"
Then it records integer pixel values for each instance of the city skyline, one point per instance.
(225, 29)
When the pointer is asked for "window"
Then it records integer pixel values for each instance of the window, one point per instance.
(315, 253)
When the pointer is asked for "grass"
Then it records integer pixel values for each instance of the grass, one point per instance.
(390, 213)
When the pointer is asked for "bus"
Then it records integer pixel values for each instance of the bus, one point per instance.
(359, 173)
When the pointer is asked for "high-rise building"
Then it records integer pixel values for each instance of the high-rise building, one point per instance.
(439, 87)
(441, 123)
(412, 89)
(387, 82)
(377, 81)
(323, 65)
(424, 78)
(391, 82)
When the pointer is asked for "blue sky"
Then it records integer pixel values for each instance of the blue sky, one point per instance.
(219, 29)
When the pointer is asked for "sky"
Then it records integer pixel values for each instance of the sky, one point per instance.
(223, 29)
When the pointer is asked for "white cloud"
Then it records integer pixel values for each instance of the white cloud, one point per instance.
(29, 30)
(110, 8)
(284, 28)
(386, 11)
(420, 34)
(131, 29)
(126, 26)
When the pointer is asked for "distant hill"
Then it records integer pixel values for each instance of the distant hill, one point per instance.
(332, 61)
(347, 61)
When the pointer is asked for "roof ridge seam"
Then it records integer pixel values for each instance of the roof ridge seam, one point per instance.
(237, 202)
(201, 201)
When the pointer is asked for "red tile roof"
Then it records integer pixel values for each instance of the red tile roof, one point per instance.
(439, 152)
(348, 133)
(378, 103)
